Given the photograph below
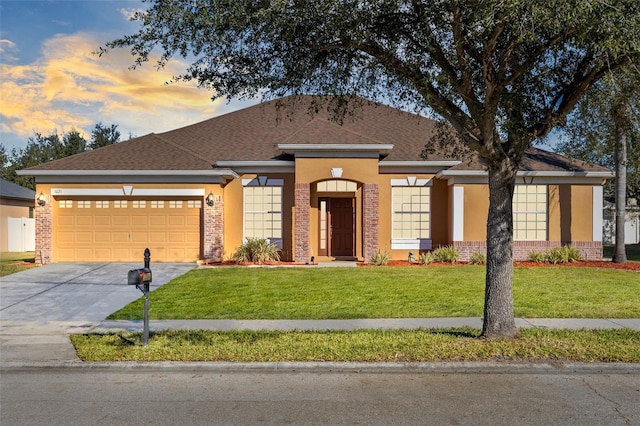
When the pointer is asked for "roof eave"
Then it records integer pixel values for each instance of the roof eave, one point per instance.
(119, 176)
(265, 166)
(529, 176)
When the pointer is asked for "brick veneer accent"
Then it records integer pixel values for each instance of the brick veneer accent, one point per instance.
(371, 203)
(590, 250)
(44, 230)
(213, 230)
(302, 251)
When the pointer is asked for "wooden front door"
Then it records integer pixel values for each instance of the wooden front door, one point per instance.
(342, 226)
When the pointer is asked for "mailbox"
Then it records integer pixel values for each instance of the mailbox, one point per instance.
(139, 276)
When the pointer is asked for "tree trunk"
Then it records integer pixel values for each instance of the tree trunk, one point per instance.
(620, 254)
(498, 303)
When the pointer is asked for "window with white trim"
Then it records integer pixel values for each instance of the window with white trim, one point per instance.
(263, 213)
(65, 204)
(411, 216)
(530, 213)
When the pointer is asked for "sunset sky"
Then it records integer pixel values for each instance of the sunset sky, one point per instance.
(51, 81)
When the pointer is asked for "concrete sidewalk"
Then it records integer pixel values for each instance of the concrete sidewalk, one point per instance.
(42, 343)
(355, 324)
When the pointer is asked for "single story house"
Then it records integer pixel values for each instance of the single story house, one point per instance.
(17, 225)
(315, 187)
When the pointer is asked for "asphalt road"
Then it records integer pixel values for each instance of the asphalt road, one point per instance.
(205, 395)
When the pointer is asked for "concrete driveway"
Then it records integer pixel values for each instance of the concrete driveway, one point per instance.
(76, 291)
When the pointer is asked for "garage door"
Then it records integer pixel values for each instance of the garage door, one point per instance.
(111, 230)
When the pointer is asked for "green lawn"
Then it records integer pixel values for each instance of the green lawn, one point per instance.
(12, 262)
(633, 252)
(387, 292)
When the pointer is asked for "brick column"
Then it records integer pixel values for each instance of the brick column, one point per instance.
(302, 225)
(213, 238)
(371, 203)
(44, 230)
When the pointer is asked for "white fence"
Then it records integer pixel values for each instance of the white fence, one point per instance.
(631, 227)
(21, 234)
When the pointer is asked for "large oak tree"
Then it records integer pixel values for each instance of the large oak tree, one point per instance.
(503, 73)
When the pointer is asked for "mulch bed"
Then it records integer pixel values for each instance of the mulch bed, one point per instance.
(629, 266)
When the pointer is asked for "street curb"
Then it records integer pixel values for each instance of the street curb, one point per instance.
(347, 367)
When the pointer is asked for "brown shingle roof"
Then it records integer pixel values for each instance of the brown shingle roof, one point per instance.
(253, 134)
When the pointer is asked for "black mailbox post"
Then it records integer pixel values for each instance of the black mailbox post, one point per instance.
(141, 278)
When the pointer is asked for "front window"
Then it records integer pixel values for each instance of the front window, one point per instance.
(530, 213)
(263, 213)
(411, 216)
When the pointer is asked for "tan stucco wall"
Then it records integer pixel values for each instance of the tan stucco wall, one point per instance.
(476, 211)
(354, 169)
(570, 212)
(582, 213)
(234, 214)
(569, 206)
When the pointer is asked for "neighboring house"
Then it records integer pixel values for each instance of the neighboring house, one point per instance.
(17, 225)
(312, 186)
(631, 223)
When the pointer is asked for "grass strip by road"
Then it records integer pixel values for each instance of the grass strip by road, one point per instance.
(387, 292)
(622, 345)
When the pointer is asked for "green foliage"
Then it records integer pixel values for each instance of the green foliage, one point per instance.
(380, 258)
(537, 257)
(478, 258)
(381, 292)
(12, 262)
(460, 344)
(428, 55)
(556, 255)
(593, 129)
(564, 254)
(257, 250)
(633, 251)
(425, 258)
(448, 254)
(103, 135)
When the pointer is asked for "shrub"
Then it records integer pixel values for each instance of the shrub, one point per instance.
(478, 258)
(564, 254)
(425, 258)
(447, 254)
(379, 258)
(537, 257)
(257, 250)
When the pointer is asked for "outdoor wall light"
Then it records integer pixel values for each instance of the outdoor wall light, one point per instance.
(41, 199)
(210, 200)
